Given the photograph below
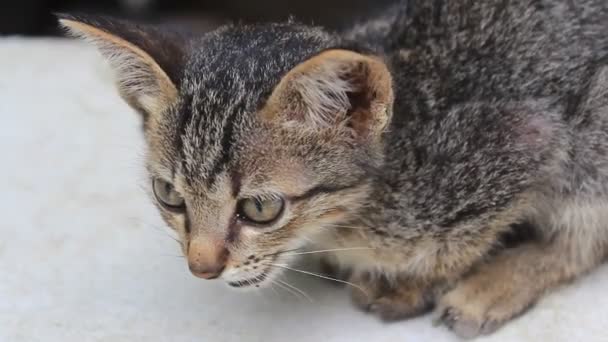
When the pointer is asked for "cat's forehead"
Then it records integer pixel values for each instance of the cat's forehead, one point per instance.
(226, 81)
(236, 66)
(202, 133)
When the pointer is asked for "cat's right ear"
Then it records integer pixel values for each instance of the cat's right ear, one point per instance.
(147, 63)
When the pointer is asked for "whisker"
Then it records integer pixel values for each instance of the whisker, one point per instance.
(331, 225)
(173, 256)
(308, 239)
(164, 232)
(295, 294)
(321, 276)
(174, 239)
(281, 252)
(296, 289)
(272, 284)
(332, 250)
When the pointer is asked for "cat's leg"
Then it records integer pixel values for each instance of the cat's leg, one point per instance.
(392, 299)
(574, 234)
(506, 286)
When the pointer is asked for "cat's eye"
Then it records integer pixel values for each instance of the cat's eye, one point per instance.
(167, 195)
(260, 211)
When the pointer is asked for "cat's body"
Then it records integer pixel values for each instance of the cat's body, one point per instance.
(415, 141)
(470, 75)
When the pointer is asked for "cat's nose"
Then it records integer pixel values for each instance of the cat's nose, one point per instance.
(207, 259)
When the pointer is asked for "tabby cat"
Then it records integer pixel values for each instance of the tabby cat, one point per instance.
(416, 144)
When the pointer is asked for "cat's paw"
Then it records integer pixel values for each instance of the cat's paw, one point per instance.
(389, 301)
(466, 321)
(479, 305)
(401, 304)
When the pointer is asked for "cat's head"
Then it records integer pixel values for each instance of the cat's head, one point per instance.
(259, 137)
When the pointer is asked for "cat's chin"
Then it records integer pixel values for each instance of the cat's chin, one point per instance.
(261, 280)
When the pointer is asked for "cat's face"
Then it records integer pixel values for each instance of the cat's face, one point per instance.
(259, 139)
(268, 192)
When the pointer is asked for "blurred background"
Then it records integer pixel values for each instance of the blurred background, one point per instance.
(33, 17)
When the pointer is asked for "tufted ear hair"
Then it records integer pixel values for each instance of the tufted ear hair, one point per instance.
(335, 87)
(148, 63)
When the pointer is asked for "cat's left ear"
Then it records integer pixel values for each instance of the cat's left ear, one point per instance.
(147, 62)
(335, 88)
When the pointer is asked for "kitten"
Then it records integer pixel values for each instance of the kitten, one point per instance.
(431, 130)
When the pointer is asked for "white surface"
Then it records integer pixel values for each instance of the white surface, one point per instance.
(83, 254)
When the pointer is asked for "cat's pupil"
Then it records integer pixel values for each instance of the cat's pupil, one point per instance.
(259, 210)
(166, 194)
(258, 205)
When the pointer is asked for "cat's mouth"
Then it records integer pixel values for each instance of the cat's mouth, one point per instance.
(255, 281)
(267, 270)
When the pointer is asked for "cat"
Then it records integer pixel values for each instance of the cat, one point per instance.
(412, 144)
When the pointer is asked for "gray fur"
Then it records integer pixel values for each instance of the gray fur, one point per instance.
(500, 118)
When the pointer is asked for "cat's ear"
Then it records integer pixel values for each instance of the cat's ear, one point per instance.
(336, 87)
(147, 62)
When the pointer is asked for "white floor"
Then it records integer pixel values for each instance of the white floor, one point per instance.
(84, 257)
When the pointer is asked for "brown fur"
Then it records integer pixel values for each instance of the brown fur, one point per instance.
(413, 144)
(166, 92)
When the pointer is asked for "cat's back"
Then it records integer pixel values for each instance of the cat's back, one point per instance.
(458, 67)
(467, 50)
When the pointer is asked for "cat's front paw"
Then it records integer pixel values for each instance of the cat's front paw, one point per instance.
(481, 304)
(468, 318)
(391, 301)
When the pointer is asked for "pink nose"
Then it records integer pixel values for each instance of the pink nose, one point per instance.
(206, 259)
(206, 272)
